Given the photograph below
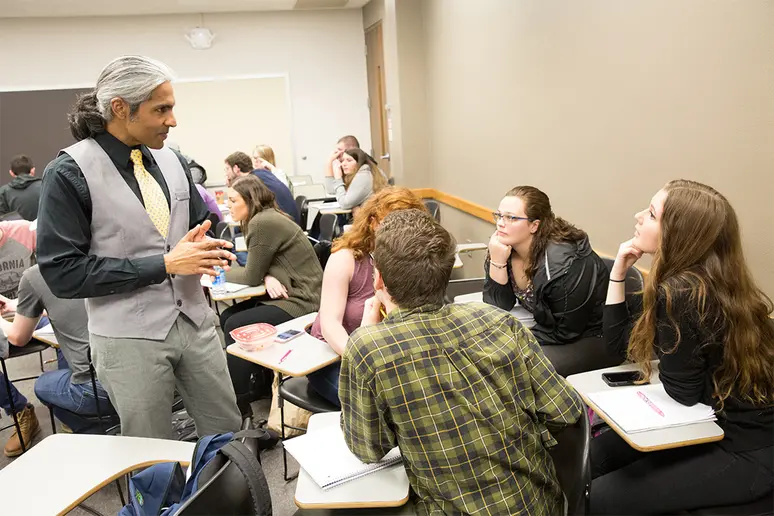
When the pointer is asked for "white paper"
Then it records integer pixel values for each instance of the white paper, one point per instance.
(633, 414)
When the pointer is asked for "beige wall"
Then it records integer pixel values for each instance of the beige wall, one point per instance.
(599, 103)
(320, 51)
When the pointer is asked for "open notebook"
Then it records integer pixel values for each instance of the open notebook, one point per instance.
(325, 456)
(640, 408)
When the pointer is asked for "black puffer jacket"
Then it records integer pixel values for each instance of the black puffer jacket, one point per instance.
(570, 285)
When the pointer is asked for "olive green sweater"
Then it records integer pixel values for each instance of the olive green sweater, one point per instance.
(276, 246)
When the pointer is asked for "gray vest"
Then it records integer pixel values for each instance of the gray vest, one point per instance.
(121, 228)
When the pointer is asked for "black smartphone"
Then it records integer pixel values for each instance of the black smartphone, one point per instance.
(621, 378)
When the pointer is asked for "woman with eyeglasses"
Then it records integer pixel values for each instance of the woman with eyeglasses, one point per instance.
(348, 281)
(547, 265)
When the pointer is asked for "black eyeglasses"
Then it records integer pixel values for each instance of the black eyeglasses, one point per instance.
(508, 219)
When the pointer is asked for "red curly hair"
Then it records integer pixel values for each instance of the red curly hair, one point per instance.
(361, 237)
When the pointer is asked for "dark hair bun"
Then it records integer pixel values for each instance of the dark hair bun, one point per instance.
(84, 119)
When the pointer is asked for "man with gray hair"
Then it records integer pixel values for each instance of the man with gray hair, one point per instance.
(121, 224)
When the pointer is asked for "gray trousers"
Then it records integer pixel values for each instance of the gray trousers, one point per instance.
(140, 376)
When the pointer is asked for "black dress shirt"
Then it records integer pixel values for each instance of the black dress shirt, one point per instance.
(64, 228)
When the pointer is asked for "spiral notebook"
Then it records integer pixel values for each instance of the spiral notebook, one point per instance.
(325, 456)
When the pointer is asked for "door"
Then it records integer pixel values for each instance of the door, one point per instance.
(377, 97)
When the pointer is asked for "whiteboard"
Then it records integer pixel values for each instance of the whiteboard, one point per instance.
(216, 117)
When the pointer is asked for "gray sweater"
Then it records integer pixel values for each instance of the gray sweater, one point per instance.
(276, 246)
(360, 189)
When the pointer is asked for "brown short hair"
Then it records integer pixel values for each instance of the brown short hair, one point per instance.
(21, 165)
(241, 160)
(349, 141)
(415, 256)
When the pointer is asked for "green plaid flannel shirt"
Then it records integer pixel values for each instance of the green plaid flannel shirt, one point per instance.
(468, 395)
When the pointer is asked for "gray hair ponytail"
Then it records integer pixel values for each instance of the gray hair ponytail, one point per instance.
(131, 78)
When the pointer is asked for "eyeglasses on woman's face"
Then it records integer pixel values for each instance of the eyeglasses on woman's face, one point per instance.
(506, 218)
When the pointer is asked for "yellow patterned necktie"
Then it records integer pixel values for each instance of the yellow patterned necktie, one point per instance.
(155, 201)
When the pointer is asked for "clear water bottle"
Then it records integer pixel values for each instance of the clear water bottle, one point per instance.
(219, 282)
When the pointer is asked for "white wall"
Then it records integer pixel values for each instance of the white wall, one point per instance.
(321, 51)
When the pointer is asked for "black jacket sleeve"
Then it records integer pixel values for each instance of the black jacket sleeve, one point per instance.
(501, 296)
(572, 301)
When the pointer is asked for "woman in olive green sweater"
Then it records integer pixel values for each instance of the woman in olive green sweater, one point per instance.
(280, 257)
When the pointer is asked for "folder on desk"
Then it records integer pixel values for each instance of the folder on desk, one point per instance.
(640, 408)
(325, 456)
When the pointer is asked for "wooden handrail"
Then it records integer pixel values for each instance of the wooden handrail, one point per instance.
(476, 210)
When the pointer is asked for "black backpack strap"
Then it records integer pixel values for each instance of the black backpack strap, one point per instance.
(241, 455)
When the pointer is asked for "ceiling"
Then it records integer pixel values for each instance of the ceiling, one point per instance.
(62, 8)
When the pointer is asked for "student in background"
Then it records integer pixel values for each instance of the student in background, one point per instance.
(263, 158)
(333, 167)
(199, 176)
(463, 389)
(279, 257)
(348, 281)
(22, 194)
(356, 180)
(17, 254)
(239, 164)
(703, 315)
(548, 266)
(68, 389)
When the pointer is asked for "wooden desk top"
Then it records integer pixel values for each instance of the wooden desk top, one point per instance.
(386, 488)
(308, 354)
(652, 440)
(90, 462)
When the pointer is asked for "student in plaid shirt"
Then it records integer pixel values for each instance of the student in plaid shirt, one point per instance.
(464, 390)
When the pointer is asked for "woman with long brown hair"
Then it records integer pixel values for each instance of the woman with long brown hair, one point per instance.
(348, 280)
(280, 257)
(706, 320)
(356, 179)
(547, 265)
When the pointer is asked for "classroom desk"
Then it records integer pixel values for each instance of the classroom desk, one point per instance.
(245, 293)
(522, 314)
(466, 248)
(329, 207)
(457, 262)
(29, 485)
(46, 336)
(309, 354)
(653, 440)
(386, 488)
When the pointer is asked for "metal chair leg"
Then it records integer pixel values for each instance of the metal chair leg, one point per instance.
(120, 492)
(13, 407)
(53, 421)
(40, 356)
(93, 375)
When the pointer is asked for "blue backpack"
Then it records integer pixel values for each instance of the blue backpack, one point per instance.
(226, 478)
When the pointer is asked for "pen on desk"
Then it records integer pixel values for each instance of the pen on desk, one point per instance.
(650, 403)
(285, 356)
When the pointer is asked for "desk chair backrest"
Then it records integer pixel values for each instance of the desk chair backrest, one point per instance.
(323, 251)
(219, 228)
(328, 223)
(302, 205)
(572, 464)
(634, 279)
(464, 286)
(434, 207)
(310, 191)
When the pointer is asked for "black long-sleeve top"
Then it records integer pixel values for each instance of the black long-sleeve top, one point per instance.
(687, 370)
(64, 227)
